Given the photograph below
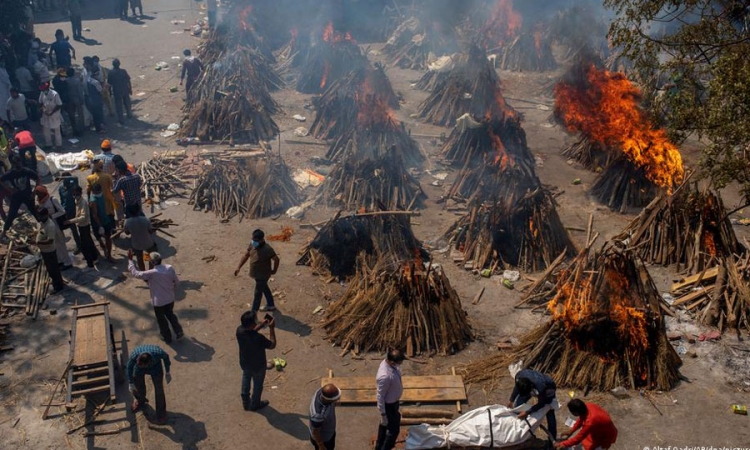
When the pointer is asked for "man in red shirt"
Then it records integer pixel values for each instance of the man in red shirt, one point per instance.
(595, 428)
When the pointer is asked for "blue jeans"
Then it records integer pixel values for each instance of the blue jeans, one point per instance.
(551, 419)
(257, 380)
(261, 289)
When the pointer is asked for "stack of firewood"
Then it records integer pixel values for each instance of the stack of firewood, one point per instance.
(161, 178)
(329, 59)
(607, 329)
(590, 154)
(22, 287)
(383, 235)
(410, 305)
(413, 43)
(623, 185)
(249, 188)
(375, 141)
(529, 51)
(689, 229)
(718, 296)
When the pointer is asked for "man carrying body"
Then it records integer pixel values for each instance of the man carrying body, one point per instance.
(263, 263)
(389, 390)
(253, 346)
(323, 417)
(595, 428)
(162, 281)
(530, 383)
(192, 67)
(147, 360)
(121, 89)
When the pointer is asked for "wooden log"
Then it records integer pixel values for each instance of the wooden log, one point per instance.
(426, 412)
(427, 420)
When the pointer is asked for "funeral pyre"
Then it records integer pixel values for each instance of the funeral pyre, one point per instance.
(604, 108)
(607, 329)
(416, 41)
(408, 305)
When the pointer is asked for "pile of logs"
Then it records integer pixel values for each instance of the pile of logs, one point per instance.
(607, 329)
(472, 88)
(161, 178)
(379, 182)
(22, 287)
(589, 154)
(412, 44)
(235, 29)
(718, 296)
(410, 305)
(375, 141)
(328, 60)
(526, 234)
(158, 225)
(689, 229)
(356, 99)
(438, 71)
(231, 101)
(383, 235)
(623, 185)
(529, 51)
(249, 188)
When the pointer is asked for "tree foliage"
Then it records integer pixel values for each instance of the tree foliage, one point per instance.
(693, 58)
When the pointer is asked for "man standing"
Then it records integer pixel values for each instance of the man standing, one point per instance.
(140, 230)
(253, 347)
(16, 110)
(530, 383)
(25, 81)
(389, 390)
(192, 67)
(74, 11)
(51, 116)
(162, 281)
(62, 50)
(596, 431)
(147, 360)
(136, 4)
(82, 222)
(323, 417)
(17, 181)
(68, 183)
(263, 263)
(108, 166)
(74, 105)
(57, 214)
(95, 103)
(101, 74)
(45, 240)
(121, 89)
(130, 185)
(102, 221)
(122, 6)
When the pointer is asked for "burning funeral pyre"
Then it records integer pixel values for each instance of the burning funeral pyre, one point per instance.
(438, 70)
(603, 107)
(329, 59)
(238, 28)
(248, 187)
(719, 296)
(417, 41)
(380, 236)
(409, 305)
(689, 229)
(345, 99)
(606, 330)
(520, 46)
(472, 88)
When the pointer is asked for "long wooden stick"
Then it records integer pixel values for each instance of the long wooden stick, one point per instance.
(52, 396)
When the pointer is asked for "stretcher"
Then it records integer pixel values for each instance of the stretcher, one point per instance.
(94, 366)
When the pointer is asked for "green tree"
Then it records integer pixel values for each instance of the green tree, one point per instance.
(693, 59)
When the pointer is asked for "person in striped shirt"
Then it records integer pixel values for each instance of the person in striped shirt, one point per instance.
(147, 360)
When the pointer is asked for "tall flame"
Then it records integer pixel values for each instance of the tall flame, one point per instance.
(372, 105)
(332, 36)
(606, 111)
(503, 25)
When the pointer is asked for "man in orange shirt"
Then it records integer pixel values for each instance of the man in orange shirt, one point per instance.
(595, 428)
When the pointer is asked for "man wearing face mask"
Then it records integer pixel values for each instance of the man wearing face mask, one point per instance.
(388, 394)
(263, 263)
(51, 116)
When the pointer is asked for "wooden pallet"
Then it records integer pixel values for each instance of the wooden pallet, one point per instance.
(92, 352)
(423, 389)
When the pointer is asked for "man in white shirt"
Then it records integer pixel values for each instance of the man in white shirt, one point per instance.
(51, 121)
(82, 220)
(388, 394)
(16, 110)
(45, 240)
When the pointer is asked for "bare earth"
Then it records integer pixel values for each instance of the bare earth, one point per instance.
(203, 399)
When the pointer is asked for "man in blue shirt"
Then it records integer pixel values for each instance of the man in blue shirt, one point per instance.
(62, 50)
(147, 360)
(530, 383)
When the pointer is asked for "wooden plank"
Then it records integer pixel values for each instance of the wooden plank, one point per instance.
(458, 402)
(709, 275)
(90, 343)
(87, 381)
(93, 390)
(409, 395)
(91, 314)
(409, 382)
(110, 349)
(80, 373)
(692, 296)
(89, 305)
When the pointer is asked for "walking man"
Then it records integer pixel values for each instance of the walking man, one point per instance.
(122, 89)
(596, 431)
(140, 230)
(323, 417)
(82, 221)
(130, 185)
(389, 390)
(17, 181)
(62, 50)
(51, 116)
(102, 220)
(253, 347)
(263, 263)
(192, 67)
(45, 240)
(147, 360)
(74, 11)
(162, 281)
(530, 383)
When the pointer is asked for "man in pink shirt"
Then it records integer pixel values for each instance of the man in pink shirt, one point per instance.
(389, 390)
(162, 281)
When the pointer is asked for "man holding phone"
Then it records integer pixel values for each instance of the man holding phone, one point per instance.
(253, 347)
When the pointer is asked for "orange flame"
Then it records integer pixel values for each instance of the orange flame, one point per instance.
(326, 70)
(606, 111)
(503, 25)
(502, 158)
(332, 36)
(709, 244)
(244, 14)
(372, 105)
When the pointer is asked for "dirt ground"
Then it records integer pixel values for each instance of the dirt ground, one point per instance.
(203, 399)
